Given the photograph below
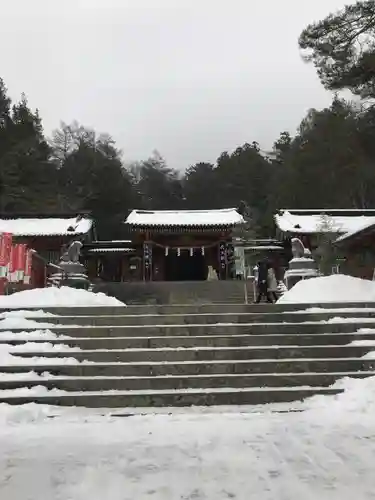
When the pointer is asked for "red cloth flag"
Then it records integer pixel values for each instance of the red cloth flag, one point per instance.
(19, 261)
(5, 253)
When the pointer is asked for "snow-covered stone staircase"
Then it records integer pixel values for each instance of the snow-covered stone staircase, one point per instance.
(149, 356)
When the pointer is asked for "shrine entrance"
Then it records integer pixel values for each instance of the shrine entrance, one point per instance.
(184, 245)
(185, 267)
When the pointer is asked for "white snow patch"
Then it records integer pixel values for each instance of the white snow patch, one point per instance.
(20, 313)
(37, 390)
(322, 310)
(369, 355)
(18, 322)
(363, 342)
(4, 377)
(31, 335)
(339, 319)
(358, 396)
(57, 297)
(331, 289)
(221, 217)
(312, 223)
(40, 347)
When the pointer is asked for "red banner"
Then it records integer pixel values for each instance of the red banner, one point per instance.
(11, 275)
(5, 248)
(5, 254)
(20, 257)
(17, 263)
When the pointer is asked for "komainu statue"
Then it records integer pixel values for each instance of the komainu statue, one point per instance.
(298, 249)
(73, 252)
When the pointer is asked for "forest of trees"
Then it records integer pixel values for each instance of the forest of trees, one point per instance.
(328, 163)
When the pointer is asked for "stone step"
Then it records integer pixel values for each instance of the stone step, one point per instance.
(191, 309)
(181, 382)
(270, 339)
(196, 397)
(147, 369)
(202, 318)
(205, 353)
(205, 329)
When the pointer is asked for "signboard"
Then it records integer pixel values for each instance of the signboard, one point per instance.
(28, 266)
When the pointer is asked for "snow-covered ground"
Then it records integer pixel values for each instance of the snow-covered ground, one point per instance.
(325, 452)
(321, 448)
(56, 297)
(336, 288)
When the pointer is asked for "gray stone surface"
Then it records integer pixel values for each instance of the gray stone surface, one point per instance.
(175, 399)
(207, 318)
(296, 339)
(207, 363)
(183, 382)
(196, 368)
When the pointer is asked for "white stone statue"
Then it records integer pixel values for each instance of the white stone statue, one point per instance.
(73, 252)
(298, 249)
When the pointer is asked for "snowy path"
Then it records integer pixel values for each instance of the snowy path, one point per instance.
(265, 456)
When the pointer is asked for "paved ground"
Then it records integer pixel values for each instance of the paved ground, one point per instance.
(316, 454)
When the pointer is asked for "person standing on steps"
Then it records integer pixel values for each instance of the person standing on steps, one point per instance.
(272, 284)
(262, 282)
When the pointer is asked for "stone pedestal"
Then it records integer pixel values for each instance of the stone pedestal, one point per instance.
(300, 268)
(71, 274)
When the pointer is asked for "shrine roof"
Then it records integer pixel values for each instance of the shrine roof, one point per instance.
(46, 226)
(228, 217)
(357, 233)
(311, 221)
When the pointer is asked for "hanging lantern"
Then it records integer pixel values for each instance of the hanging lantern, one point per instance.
(191, 252)
(166, 251)
(202, 250)
(178, 252)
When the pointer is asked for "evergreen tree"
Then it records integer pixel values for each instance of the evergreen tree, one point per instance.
(158, 186)
(342, 47)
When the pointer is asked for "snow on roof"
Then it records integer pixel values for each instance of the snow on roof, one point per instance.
(110, 250)
(222, 217)
(313, 223)
(355, 231)
(264, 247)
(46, 226)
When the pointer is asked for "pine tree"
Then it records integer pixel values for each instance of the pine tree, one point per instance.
(342, 48)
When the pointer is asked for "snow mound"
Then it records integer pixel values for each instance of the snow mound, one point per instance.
(57, 297)
(336, 288)
(358, 397)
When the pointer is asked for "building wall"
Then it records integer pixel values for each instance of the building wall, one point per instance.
(358, 257)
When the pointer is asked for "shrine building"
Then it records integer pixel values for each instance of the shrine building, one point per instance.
(184, 245)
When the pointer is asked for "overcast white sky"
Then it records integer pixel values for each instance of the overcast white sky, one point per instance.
(190, 78)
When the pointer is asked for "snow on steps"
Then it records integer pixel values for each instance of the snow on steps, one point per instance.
(204, 359)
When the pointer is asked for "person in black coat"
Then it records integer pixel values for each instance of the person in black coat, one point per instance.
(262, 282)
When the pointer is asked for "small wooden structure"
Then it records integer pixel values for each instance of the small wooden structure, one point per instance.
(356, 252)
(113, 261)
(47, 234)
(274, 251)
(182, 245)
